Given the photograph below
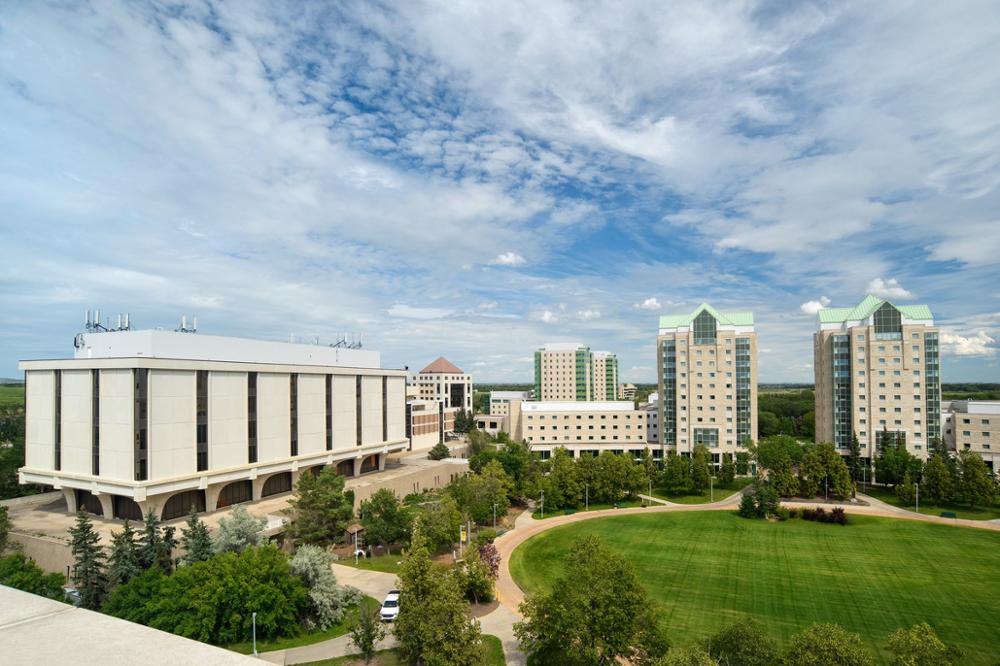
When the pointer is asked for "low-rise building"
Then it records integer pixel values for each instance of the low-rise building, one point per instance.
(500, 401)
(165, 421)
(580, 427)
(443, 380)
(974, 425)
(426, 423)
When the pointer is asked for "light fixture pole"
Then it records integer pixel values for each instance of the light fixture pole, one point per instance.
(543, 504)
(586, 497)
(255, 633)
(916, 486)
(711, 488)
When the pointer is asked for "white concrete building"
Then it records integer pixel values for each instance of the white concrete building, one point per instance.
(163, 421)
(580, 427)
(500, 401)
(442, 380)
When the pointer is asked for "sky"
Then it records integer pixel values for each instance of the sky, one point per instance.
(475, 180)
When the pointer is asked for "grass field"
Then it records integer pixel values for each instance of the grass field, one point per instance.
(960, 510)
(873, 576)
(11, 396)
(339, 629)
(712, 495)
(383, 563)
(593, 506)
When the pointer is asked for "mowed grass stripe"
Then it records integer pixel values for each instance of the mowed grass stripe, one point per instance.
(705, 569)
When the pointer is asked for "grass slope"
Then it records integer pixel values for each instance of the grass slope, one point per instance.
(706, 569)
(383, 563)
(715, 494)
(960, 510)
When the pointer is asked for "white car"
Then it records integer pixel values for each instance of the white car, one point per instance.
(390, 607)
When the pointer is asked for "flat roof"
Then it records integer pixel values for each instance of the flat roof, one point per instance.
(563, 346)
(509, 395)
(578, 406)
(36, 630)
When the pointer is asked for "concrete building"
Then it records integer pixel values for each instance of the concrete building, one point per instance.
(426, 423)
(500, 401)
(163, 421)
(877, 371)
(444, 381)
(571, 371)
(605, 376)
(579, 426)
(974, 425)
(652, 409)
(626, 391)
(492, 424)
(707, 381)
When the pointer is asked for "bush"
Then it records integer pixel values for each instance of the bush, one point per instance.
(485, 536)
(793, 512)
(782, 514)
(748, 507)
(21, 572)
(821, 515)
(439, 452)
(838, 515)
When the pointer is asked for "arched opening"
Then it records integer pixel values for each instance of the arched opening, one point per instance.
(236, 492)
(277, 483)
(315, 469)
(126, 508)
(370, 464)
(181, 504)
(345, 468)
(89, 503)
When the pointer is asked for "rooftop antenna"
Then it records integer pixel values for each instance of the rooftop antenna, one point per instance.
(184, 325)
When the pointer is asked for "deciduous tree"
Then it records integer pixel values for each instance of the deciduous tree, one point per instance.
(562, 484)
(21, 572)
(328, 600)
(937, 482)
(699, 468)
(727, 471)
(920, 646)
(385, 519)
(441, 522)
(239, 531)
(366, 632)
(825, 644)
(978, 485)
(744, 643)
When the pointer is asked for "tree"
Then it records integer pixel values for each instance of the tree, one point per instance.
(212, 601)
(905, 492)
(478, 441)
(596, 612)
(781, 478)
(123, 563)
(463, 420)
(693, 656)
(837, 474)
(744, 643)
(492, 489)
(476, 578)
(854, 462)
(742, 463)
(727, 471)
(937, 482)
(5, 526)
(977, 485)
(321, 508)
(151, 543)
(811, 473)
(329, 601)
(699, 468)
(650, 468)
(366, 632)
(824, 644)
(239, 531)
(385, 519)
(677, 475)
(562, 485)
(770, 450)
(490, 556)
(892, 461)
(88, 558)
(441, 523)
(440, 451)
(196, 540)
(21, 572)
(432, 627)
(920, 646)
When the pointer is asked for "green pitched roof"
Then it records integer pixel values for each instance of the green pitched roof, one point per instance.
(731, 318)
(866, 307)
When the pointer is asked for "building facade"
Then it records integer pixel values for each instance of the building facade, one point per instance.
(161, 421)
(426, 423)
(974, 425)
(500, 401)
(579, 426)
(444, 381)
(605, 376)
(563, 371)
(878, 372)
(626, 391)
(707, 381)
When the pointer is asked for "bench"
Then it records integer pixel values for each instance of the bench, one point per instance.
(948, 514)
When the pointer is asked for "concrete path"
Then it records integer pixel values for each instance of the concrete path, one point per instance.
(657, 500)
(500, 623)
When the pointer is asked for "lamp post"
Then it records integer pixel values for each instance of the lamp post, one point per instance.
(711, 488)
(255, 633)
(586, 497)
(543, 504)
(916, 487)
(826, 488)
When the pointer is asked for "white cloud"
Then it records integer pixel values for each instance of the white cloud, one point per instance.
(978, 344)
(649, 304)
(888, 289)
(509, 259)
(410, 312)
(812, 307)
(488, 305)
(548, 317)
(587, 315)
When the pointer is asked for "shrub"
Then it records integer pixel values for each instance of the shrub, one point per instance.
(439, 452)
(485, 536)
(838, 515)
(821, 515)
(808, 513)
(793, 512)
(748, 507)
(782, 513)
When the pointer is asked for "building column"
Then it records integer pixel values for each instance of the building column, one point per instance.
(258, 487)
(69, 494)
(357, 466)
(381, 462)
(107, 504)
(212, 496)
(154, 504)
(295, 478)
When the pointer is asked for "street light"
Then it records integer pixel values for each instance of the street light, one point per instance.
(711, 489)
(255, 633)
(916, 486)
(543, 504)
(586, 496)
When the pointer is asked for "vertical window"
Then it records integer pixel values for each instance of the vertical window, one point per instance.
(329, 412)
(95, 422)
(252, 417)
(357, 407)
(58, 422)
(140, 394)
(704, 328)
(201, 418)
(888, 323)
(385, 408)
(293, 406)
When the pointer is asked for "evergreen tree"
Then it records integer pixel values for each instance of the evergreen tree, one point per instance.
(196, 540)
(123, 563)
(88, 557)
(699, 468)
(151, 544)
(727, 471)
(854, 463)
(905, 491)
(439, 452)
(321, 508)
(5, 526)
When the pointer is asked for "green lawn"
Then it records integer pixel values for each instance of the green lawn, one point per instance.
(594, 506)
(494, 657)
(960, 510)
(705, 569)
(336, 630)
(11, 396)
(383, 563)
(715, 494)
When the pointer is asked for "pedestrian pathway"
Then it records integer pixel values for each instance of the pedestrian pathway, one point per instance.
(657, 500)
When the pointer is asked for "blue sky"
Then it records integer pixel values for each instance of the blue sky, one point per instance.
(474, 180)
